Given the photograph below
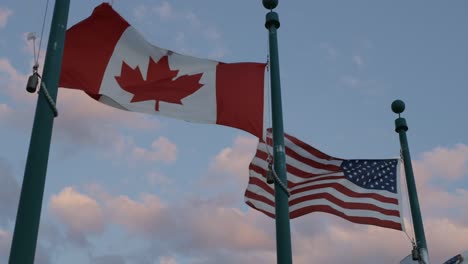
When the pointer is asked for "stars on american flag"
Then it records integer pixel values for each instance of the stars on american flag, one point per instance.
(372, 174)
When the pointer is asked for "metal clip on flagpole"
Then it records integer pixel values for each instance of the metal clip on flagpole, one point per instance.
(49, 99)
(31, 87)
(283, 233)
(272, 177)
(401, 127)
(275, 178)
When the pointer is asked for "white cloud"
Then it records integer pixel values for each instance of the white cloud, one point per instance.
(365, 86)
(5, 111)
(5, 244)
(164, 10)
(203, 231)
(108, 259)
(14, 81)
(158, 178)
(187, 25)
(140, 12)
(331, 52)
(162, 149)
(358, 60)
(5, 13)
(212, 34)
(447, 163)
(9, 193)
(434, 172)
(80, 213)
(6, 67)
(193, 19)
(167, 260)
(85, 122)
(138, 217)
(236, 159)
(82, 121)
(352, 81)
(180, 39)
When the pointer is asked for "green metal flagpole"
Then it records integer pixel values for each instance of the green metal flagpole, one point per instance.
(24, 242)
(283, 233)
(401, 127)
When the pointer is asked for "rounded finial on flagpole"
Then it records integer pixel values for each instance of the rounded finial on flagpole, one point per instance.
(398, 106)
(270, 4)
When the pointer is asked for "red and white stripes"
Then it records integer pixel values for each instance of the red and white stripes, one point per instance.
(318, 184)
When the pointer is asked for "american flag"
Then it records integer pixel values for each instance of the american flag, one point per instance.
(455, 260)
(363, 191)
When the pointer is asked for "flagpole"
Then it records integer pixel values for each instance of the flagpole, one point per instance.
(283, 233)
(24, 242)
(401, 127)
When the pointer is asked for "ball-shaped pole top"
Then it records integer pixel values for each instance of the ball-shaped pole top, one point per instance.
(270, 4)
(398, 106)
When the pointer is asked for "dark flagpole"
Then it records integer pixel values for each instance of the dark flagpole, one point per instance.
(283, 233)
(401, 127)
(24, 242)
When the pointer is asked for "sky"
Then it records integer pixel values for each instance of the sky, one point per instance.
(129, 188)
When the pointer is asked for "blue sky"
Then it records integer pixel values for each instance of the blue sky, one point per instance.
(131, 188)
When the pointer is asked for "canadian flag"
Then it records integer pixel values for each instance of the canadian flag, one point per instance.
(112, 62)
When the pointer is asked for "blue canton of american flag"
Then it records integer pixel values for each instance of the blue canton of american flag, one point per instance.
(372, 174)
(360, 191)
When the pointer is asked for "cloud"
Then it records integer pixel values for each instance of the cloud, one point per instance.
(167, 260)
(440, 177)
(164, 10)
(236, 159)
(86, 121)
(6, 67)
(9, 193)
(352, 81)
(365, 86)
(5, 244)
(227, 174)
(444, 213)
(108, 259)
(193, 19)
(80, 213)
(81, 122)
(42, 256)
(13, 82)
(205, 231)
(5, 111)
(331, 52)
(162, 149)
(5, 13)
(9, 197)
(344, 245)
(450, 164)
(228, 229)
(192, 227)
(358, 60)
(158, 178)
(187, 25)
(139, 217)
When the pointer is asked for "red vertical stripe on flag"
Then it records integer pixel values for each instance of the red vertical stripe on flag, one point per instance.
(88, 48)
(240, 95)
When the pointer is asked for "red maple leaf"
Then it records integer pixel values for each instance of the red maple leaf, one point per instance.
(159, 84)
